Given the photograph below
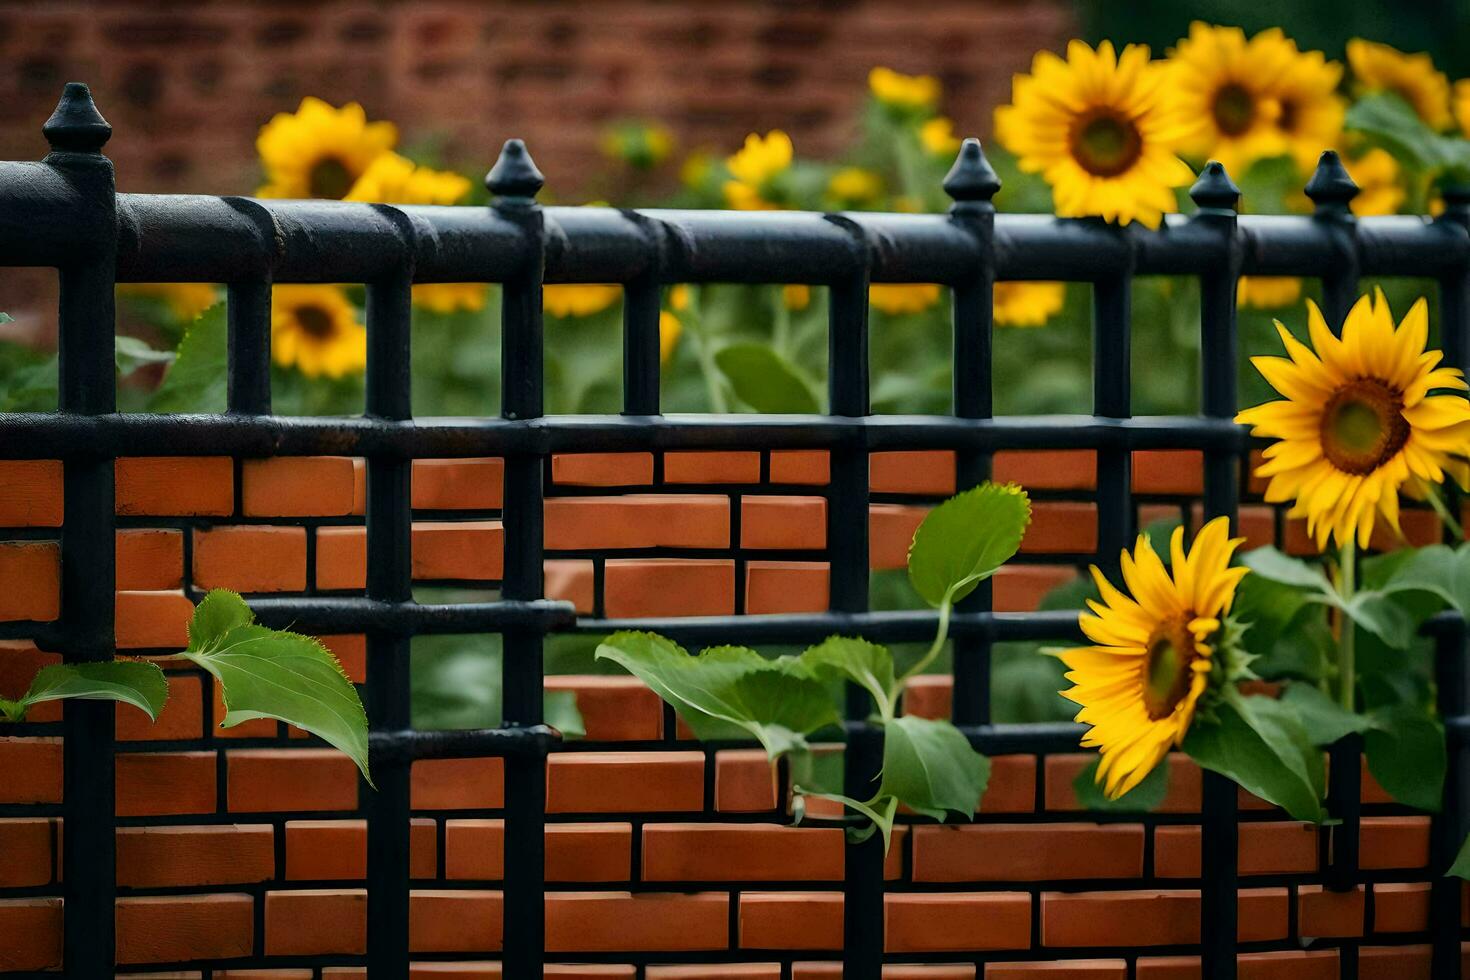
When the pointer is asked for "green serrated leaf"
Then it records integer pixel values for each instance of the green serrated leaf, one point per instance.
(765, 380)
(869, 665)
(1143, 798)
(130, 353)
(965, 539)
(265, 673)
(195, 382)
(931, 768)
(1323, 718)
(217, 613)
(136, 682)
(1461, 866)
(12, 710)
(559, 708)
(1273, 565)
(1406, 754)
(1259, 743)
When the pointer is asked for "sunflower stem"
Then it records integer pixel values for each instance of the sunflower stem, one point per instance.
(940, 635)
(1431, 492)
(1347, 679)
(694, 320)
(781, 323)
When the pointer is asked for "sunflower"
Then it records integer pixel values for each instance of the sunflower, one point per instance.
(320, 151)
(1413, 77)
(579, 299)
(1028, 304)
(315, 329)
(640, 145)
(669, 329)
(796, 296)
(1227, 85)
(897, 299)
(1377, 175)
(1101, 129)
(1462, 105)
(1310, 110)
(854, 187)
(1268, 292)
(185, 300)
(1358, 422)
(1141, 685)
(937, 137)
(905, 93)
(754, 168)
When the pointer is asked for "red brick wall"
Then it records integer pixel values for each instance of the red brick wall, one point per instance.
(223, 829)
(186, 85)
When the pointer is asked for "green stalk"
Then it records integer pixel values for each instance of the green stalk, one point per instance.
(781, 319)
(704, 352)
(1347, 677)
(940, 635)
(1437, 502)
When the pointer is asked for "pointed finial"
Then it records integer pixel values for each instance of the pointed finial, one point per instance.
(76, 126)
(1331, 188)
(972, 178)
(1214, 190)
(514, 174)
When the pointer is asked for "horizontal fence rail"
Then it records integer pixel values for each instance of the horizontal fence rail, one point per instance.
(64, 213)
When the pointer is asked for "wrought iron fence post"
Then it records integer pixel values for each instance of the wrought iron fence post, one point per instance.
(77, 132)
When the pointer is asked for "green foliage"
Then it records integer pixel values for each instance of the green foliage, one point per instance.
(135, 682)
(964, 540)
(1387, 119)
(456, 684)
(195, 381)
(1324, 720)
(765, 380)
(929, 766)
(1406, 754)
(1143, 798)
(1258, 743)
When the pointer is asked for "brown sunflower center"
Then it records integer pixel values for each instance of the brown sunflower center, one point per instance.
(1166, 668)
(1234, 109)
(1287, 119)
(1363, 426)
(315, 322)
(1105, 143)
(329, 178)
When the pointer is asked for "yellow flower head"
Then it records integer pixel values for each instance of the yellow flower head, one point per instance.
(1311, 111)
(450, 297)
(852, 186)
(669, 329)
(1462, 105)
(1268, 292)
(641, 145)
(1028, 304)
(1140, 685)
(754, 166)
(394, 179)
(1380, 68)
(1376, 173)
(315, 329)
(1099, 127)
(796, 296)
(185, 300)
(1227, 86)
(1358, 421)
(579, 299)
(937, 137)
(898, 298)
(910, 93)
(320, 151)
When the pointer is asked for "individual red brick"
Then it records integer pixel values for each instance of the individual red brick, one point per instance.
(668, 587)
(1079, 969)
(591, 852)
(801, 467)
(1061, 527)
(1257, 525)
(150, 560)
(790, 920)
(745, 781)
(670, 520)
(32, 768)
(160, 783)
(220, 854)
(923, 471)
(336, 850)
(1185, 783)
(622, 782)
(454, 921)
(1151, 918)
(297, 486)
(30, 580)
(1265, 848)
(602, 469)
(1420, 526)
(940, 922)
(1175, 472)
(1319, 964)
(1047, 469)
(1401, 907)
(786, 586)
(929, 696)
(1027, 852)
(614, 709)
(359, 487)
(1020, 588)
(173, 928)
(1397, 962)
(1322, 912)
(458, 550)
(341, 558)
(458, 484)
(716, 971)
(572, 580)
(1012, 787)
(891, 530)
(182, 716)
(32, 931)
(25, 854)
(152, 620)
(316, 922)
(712, 467)
(458, 784)
(1393, 842)
(267, 780)
(249, 558)
(351, 652)
(741, 852)
(30, 493)
(19, 662)
(892, 971)
(587, 922)
(169, 486)
(782, 522)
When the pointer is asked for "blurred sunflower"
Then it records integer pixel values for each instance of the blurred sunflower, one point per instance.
(1028, 304)
(1227, 86)
(937, 137)
(1141, 685)
(669, 328)
(796, 296)
(897, 298)
(185, 300)
(1413, 77)
(906, 93)
(1380, 191)
(579, 299)
(319, 150)
(1461, 99)
(1357, 422)
(315, 330)
(754, 167)
(1311, 110)
(1099, 127)
(638, 144)
(853, 187)
(1268, 292)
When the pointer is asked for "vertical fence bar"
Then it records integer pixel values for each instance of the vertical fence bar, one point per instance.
(1217, 196)
(1332, 191)
(87, 386)
(389, 578)
(515, 181)
(642, 312)
(1111, 396)
(248, 313)
(971, 183)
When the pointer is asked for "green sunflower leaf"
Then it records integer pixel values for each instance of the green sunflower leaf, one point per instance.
(1259, 743)
(136, 682)
(1406, 754)
(964, 540)
(765, 380)
(851, 658)
(1461, 866)
(931, 768)
(1323, 718)
(1275, 566)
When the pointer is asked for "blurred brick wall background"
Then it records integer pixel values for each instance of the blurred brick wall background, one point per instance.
(187, 84)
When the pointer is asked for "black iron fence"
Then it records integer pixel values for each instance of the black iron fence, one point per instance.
(64, 213)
